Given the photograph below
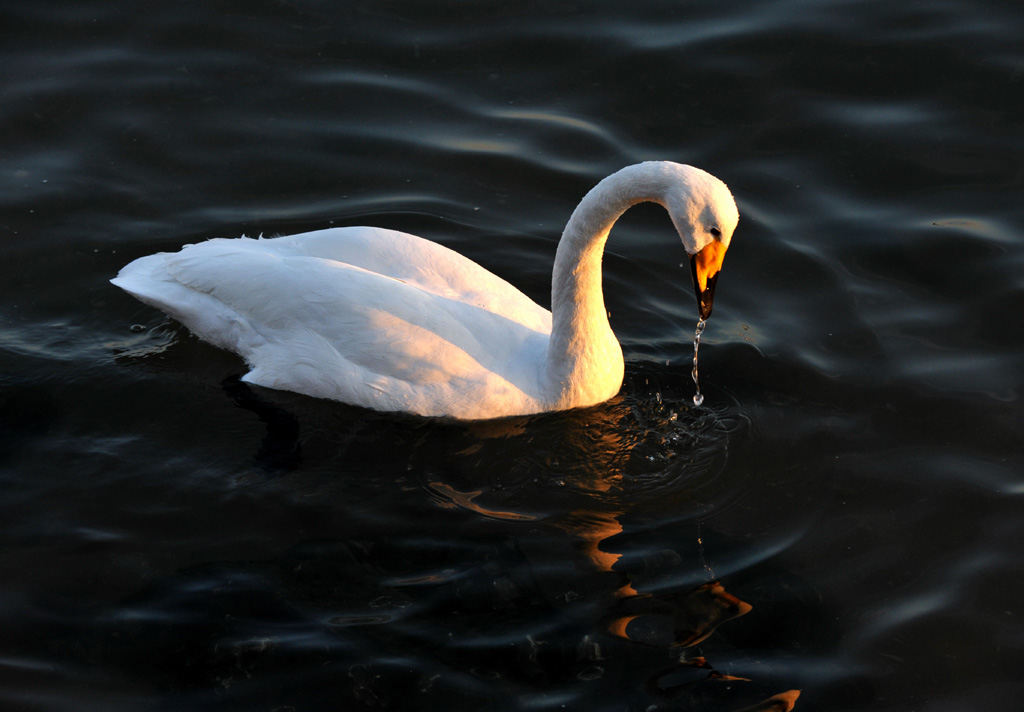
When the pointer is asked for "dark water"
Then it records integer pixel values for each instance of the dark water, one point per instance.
(842, 517)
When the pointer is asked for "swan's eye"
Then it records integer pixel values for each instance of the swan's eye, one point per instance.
(715, 232)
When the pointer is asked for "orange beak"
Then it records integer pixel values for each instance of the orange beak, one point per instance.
(706, 265)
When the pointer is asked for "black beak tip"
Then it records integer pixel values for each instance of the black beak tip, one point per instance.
(705, 296)
(704, 304)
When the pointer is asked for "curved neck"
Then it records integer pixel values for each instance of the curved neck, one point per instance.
(583, 348)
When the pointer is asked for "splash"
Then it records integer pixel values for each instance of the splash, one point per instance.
(698, 397)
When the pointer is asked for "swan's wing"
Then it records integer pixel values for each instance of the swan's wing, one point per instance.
(419, 262)
(334, 330)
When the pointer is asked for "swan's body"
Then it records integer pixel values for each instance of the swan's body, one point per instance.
(390, 321)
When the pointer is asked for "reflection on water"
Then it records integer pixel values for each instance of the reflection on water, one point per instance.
(671, 619)
(782, 702)
(620, 440)
(465, 500)
(681, 619)
(578, 551)
(666, 618)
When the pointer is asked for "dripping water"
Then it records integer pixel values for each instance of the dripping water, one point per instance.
(698, 397)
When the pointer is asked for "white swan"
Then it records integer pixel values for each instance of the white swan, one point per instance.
(390, 321)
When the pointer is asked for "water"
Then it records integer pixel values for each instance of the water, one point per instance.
(698, 397)
(840, 517)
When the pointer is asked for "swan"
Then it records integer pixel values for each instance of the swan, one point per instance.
(390, 321)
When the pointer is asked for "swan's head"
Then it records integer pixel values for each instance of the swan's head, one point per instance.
(704, 212)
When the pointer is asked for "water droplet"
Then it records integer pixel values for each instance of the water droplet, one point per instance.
(698, 397)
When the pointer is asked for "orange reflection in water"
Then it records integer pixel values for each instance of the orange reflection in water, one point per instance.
(782, 702)
(672, 620)
(465, 500)
(677, 620)
(596, 447)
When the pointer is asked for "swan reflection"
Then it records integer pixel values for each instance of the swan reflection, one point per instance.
(671, 619)
(578, 501)
(610, 462)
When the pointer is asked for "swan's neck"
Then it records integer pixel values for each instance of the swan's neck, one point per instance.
(584, 360)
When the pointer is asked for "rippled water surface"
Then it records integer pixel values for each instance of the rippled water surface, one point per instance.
(841, 517)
